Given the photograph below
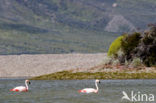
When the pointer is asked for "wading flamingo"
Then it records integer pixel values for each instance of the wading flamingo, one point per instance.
(91, 90)
(21, 88)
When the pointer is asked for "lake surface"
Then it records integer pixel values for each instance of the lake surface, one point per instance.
(66, 91)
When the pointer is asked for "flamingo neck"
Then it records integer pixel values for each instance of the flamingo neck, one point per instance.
(96, 86)
(26, 85)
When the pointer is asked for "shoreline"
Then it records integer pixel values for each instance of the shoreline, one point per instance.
(105, 72)
(67, 75)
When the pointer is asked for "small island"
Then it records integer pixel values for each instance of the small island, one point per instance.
(130, 56)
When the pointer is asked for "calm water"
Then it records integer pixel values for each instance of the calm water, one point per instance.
(65, 91)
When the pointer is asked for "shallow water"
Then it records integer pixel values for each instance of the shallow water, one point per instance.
(65, 91)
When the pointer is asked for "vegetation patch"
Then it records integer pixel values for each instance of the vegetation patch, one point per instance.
(115, 46)
(135, 48)
(67, 75)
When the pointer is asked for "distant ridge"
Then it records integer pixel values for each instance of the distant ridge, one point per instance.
(67, 26)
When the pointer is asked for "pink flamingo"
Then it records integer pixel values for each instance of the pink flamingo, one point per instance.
(21, 88)
(91, 90)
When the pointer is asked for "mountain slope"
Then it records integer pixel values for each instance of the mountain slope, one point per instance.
(65, 26)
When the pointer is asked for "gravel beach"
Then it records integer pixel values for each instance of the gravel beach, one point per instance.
(35, 65)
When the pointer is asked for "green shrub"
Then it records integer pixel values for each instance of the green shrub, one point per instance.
(129, 43)
(115, 46)
(127, 48)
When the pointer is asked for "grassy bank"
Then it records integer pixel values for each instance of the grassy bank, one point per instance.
(67, 75)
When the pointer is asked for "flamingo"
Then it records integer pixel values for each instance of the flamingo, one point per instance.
(91, 90)
(21, 88)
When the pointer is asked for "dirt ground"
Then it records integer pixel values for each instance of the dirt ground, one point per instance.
(35, 65)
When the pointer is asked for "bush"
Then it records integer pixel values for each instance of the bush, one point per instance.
(115, 46)
(146, 49)
(129, 43)
(136, 62)
(135, 48)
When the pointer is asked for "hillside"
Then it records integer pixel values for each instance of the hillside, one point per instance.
(65, 26)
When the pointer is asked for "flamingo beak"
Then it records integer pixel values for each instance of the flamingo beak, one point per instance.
(29, 82)
(99, 82)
